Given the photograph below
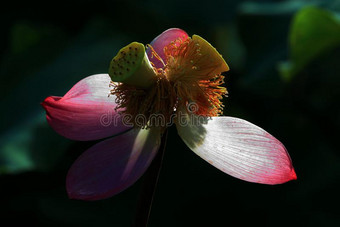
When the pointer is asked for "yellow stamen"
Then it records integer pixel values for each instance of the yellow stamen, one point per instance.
(195, 68)
(192, 74)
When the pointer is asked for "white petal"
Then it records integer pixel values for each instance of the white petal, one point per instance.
(238, 148)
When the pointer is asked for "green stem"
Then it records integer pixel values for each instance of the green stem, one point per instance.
(149, 186)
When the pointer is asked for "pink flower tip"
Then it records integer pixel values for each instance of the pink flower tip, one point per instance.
(293, 175)
(48, 102)
(44, 103)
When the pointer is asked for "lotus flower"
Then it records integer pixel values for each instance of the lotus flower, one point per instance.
(178, 78)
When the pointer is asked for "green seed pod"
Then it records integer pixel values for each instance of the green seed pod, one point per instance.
(132, 66)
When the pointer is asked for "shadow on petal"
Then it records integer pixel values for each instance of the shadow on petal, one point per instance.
(112, 165)
(191, 128)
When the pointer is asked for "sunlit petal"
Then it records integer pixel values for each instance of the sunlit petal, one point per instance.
(238, 148)
(85, 112)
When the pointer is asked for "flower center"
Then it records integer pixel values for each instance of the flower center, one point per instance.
(190, 78)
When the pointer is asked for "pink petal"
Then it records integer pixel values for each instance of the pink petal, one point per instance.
(85, 112)
(240, 149)
(163, 40)
(112, 165)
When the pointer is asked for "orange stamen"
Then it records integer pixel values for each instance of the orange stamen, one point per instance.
(154, 54)
(192, 74)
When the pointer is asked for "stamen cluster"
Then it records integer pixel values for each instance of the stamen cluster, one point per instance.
(189, 76)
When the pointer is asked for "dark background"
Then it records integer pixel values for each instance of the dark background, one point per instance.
(284, 77)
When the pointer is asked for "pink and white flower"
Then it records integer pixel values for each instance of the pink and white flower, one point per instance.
(184, 70)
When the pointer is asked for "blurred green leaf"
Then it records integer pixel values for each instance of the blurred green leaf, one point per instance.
(273, 8)
(285, 6)
(313, 32)
(24, 36)
(228, 44)
(31, 146)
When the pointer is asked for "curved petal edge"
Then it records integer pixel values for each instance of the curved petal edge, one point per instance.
(163, 40)
(240, 149)
(86, 112)
(112, 165)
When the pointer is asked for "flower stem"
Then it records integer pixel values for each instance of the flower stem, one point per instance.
(149, 186)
